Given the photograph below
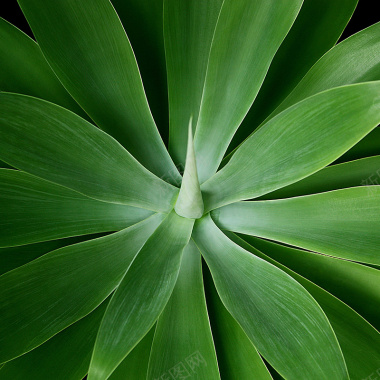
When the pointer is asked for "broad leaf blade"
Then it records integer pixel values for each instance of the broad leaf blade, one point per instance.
(15, 257)
(316, 29)
(86, 45)
(237, 356)
(34, 210)
(343, 223)
(135, 365)
(359, 344)
(45, 296)
(187, 51)
(355, 284)
(183, 343)
(143, 23)
(282, 320)
(365, 171)
(141, 296)
(55, 144)
(247, 35)
(66, 356)
(24, 70)
(296, 143)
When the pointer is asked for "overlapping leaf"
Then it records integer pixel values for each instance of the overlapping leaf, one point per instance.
(86, 45)
(282, 320)
(34, 210)
(183, 335)
(55, 144)
(298, 142)
(141, 296)
(343, 223)
(45, 296)
(247, 36)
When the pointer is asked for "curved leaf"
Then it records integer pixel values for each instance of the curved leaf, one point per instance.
(23, 69)
(34, 210)
(316, 29)
(282, 320)
(237, 356)
(15, 257)
(86, 45)
(141, 295)
(55, 144)
(143, 22)
(365, 171)
(358, 339)
(187, 52)
(356, 285)
(183, 342)
(45, 296)
(247, 36)
(343, 223)
(66, 356)
(135, 365)
(296, 143)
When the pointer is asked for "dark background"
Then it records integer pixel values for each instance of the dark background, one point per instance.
(365, 15)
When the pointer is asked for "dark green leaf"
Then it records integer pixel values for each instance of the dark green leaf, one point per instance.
(281, 319)
(45, 296)
(183, 340)
(141, 296)
(86, 45)
(34, 210)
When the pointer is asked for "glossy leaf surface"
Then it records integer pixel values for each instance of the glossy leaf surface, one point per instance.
(343, 223)
(34, 210)
(183, 343)
(86, 45)
(137, 304)
(282, 320)
(45, 296)
(298, 142)
(59, 146)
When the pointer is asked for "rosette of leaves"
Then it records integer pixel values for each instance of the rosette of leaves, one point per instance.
(243, 251)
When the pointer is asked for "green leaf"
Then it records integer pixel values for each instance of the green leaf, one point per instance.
(15, 257)
(45, 296)
(343, 223)
(189, 202)
(237, 356)
(86, 45)
(316, 29)
(296, 143)
(23, 69)
(358, 339)
(143, 23)
(183, 343)
(365, 171)
(66, 356)
(187, 51)
(247, 36)
(34, 210)
(355, 60)
(55, 144)
(135, 365)
(281, 319)
(356, 285)
(141, 296)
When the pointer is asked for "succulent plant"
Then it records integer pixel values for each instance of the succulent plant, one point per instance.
(203, 206)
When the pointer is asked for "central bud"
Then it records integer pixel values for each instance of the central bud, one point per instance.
(189, 203)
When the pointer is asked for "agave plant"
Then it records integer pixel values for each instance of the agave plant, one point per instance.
(237, 253)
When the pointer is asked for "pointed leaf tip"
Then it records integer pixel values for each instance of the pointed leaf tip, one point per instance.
(189, 203)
